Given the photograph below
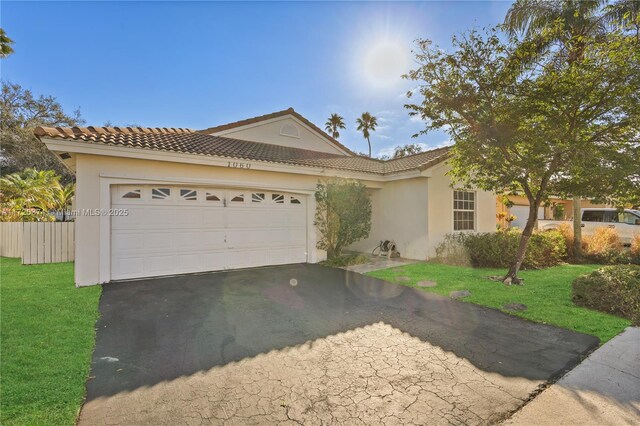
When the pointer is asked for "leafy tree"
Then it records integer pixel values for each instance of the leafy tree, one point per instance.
(366, 124)
(343, 214)
(403, 151)
(334, 124)
(569, 26)
(20, 113)
(625, 14)
(6, 44)
(523, 125)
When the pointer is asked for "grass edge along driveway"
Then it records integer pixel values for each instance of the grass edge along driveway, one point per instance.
(546, 292)
(47, 337)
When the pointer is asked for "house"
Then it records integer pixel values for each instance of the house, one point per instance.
(555, 209)
(166, 201)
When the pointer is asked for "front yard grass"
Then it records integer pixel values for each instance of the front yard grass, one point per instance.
(46, 341)
(546, 292)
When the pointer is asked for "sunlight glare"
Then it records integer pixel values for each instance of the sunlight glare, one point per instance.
(384, 63)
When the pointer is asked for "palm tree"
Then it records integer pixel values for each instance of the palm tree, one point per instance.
(5, 44)
(62, 197)
(579, 20)
(367, 123)
(625, 13)
(334, 124)
(30, 189)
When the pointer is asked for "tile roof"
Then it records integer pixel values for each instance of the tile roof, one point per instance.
(193, 142)
(288, 111)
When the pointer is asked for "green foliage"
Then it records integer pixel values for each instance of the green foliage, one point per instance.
(334, 124)
(47, 336)
(347, 260)
(28, 196)
(343, 214)
(20, 113)
(612, 289)
(498, 249)
(546, 292)
(403, 151)
(6, 44)
(540, 126)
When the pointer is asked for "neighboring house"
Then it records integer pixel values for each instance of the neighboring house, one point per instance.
(556, 208)
(169, 201)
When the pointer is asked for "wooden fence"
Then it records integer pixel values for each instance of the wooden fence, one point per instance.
(38, 242)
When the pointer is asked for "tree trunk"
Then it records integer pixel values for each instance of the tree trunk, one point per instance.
(512, 275)
(369, 142)
(577, 227)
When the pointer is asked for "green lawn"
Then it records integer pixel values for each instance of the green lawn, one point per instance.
(546, 292)
(46, 337)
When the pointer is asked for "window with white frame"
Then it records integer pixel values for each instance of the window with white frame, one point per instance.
(464, 210)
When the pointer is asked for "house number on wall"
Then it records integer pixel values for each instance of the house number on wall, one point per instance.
(237, 165)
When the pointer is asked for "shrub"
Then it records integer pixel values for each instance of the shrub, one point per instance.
(635, 249)
(546, 248)
(604, 246)
(566, 229)
(343, 214)
(452, 251)
(611, 289)
(498, 249)
(347, 260)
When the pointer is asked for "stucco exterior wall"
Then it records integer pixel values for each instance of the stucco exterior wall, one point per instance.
(440, 212)
(95, 173)
(418, 213)
(270, 132)
(399, 213)
(415, 212)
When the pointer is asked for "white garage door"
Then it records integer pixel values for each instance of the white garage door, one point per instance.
(522, 213)
(180, 229)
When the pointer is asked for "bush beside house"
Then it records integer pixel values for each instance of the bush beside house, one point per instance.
(611, 289)
(498, 249)
(343, 214)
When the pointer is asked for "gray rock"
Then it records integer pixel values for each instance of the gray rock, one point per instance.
(459, 294)
(514, 307)
(426, 283)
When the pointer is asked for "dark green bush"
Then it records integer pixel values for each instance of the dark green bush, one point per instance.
(611, 289)
(498, 249)
(347, 260)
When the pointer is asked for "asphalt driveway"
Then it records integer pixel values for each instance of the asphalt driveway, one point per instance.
(310, 344)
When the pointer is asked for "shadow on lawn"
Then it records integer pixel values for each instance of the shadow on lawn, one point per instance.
(159, 329)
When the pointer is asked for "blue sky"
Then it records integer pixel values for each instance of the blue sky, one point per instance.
(200, 64)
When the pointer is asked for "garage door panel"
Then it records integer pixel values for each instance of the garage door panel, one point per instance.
(214, 261)
(213, 239)
(127, 240)
(130, 267)
(247, 217)
(188, 239)
(135, 216)
(161, 264)
(174, 235)
(247, 258)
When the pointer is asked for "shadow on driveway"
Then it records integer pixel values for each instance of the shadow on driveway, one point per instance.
(160, 329)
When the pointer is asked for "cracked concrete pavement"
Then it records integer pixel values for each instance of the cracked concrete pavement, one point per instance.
(247, 347)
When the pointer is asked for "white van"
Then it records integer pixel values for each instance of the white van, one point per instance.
(626, 222)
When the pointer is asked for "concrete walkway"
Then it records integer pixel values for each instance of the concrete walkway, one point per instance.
(603, 390)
